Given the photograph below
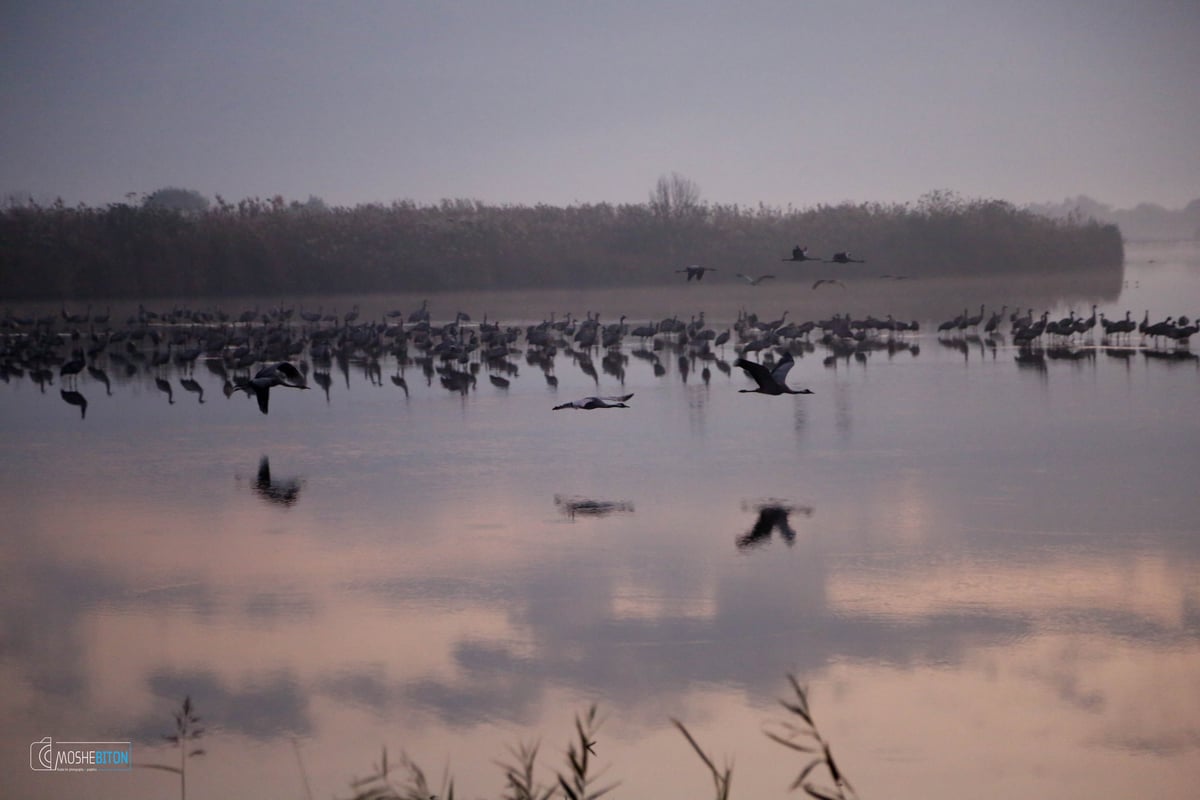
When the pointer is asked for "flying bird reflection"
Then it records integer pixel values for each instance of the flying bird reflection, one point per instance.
(772, 515)
(574, 506)
(282, 492)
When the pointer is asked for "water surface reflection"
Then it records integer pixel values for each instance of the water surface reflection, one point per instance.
(284, 492)
(773, 515)
(1003, 572)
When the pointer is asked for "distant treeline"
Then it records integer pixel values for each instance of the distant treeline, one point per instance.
(1143, 222)
(271, 246)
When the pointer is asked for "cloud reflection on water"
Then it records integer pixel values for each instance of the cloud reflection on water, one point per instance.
(990, 555)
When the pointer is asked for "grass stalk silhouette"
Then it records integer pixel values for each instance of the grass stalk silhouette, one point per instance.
(578, 783)
(580, 780)
(382, 784)
(721, 779)
(520, 783)
(187, 732)
(806, 738)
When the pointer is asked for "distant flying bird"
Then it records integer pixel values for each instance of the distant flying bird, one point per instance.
(800, 254)
(755, 281)
(770, 381)
(830, 281)
(696, 271)
(588, 403)
(844, 258)
(281, 374)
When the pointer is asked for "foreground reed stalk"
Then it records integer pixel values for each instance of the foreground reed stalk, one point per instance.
(579, 781)
(187, 732)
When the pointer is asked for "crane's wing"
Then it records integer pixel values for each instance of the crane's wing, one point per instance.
(618, 398)
(292, 375)
(779, 374)
(757, 372)
(263, 394)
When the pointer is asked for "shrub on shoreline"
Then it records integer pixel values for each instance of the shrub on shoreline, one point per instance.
(267, 247)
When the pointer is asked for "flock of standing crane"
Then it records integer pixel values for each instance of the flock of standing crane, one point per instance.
(1026, 329)
(255, 351)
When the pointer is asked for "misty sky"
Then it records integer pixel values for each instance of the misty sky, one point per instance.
(577, 102)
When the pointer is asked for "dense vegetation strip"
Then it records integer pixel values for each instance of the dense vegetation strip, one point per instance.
(271, 246)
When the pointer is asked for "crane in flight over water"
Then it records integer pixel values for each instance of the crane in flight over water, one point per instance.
(696, 271)
(281, 374)
(770, 381)
(844, 258)
(588, 403)
(801, 254)
(755, 281)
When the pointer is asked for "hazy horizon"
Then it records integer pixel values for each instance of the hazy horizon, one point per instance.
(535, 102)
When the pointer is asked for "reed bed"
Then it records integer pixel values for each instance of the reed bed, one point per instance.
(820, 776)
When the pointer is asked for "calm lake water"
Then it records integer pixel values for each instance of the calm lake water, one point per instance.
(989, 578)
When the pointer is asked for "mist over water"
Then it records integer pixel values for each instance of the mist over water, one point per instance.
(984, 568)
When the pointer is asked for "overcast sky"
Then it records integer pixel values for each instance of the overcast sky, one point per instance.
(575, 102)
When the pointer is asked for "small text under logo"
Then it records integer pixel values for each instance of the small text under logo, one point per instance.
(47, 755)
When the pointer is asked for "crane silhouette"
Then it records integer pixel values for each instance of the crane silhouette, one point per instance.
(281, 374)
(589, 403)
(770, 381)
(755, 281)
(801, 254)
(696, 271)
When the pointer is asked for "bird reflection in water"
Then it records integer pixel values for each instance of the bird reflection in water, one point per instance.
(284, 492)
(772, 515)
(1171, 356)
(192, 386)
(164, 386)
(76, 399)
(574, 506)
(324, 380)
